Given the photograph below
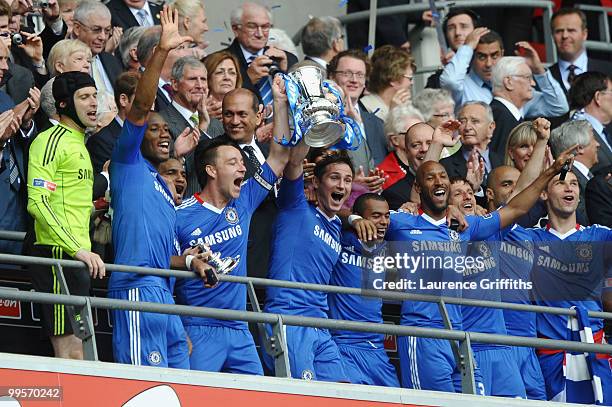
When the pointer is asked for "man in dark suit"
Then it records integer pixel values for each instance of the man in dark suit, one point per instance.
(476, 129)
(92, 25)
(144, 50)
(577, 132)
(513, 81)
(592, 95)
(132, 13)
(188, 109)
(598, 203)
(251, 25)
(569, 29)
(14, 163)
(322, 39)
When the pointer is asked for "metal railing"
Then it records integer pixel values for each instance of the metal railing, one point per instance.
(276, 344)
(604, 27)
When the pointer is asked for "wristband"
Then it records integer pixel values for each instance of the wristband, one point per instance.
(188, 261)
(353, 218)
(39, 66)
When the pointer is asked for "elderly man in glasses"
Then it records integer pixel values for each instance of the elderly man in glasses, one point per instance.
(92, 25)
(251, 25)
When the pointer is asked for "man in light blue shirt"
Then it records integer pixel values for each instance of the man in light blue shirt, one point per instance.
(480, 53)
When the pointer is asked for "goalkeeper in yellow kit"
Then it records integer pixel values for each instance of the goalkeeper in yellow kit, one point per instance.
(60, 183)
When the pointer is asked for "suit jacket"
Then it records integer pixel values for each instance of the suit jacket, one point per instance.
(581, 214)
(504, 123)
(20, 58)
(456, 166)
(598, 203)
(161, 101)
(604, 154)
(20, 82)
(375, 135)
(13, 202)
(235, 49)
(122, 16)
(101, 144)
(592, 65)
(433, 82)
(323, 68)
(176, 125)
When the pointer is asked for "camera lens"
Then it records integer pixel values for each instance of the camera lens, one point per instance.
(274, 69)
(17, 39)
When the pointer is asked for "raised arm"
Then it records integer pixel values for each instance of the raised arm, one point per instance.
(147, 85)
(279, 155)
(521, 203)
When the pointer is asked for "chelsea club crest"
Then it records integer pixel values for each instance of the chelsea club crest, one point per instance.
(454, 236)
(231, 216)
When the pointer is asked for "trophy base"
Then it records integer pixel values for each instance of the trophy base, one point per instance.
(324, 133)
(227, 265)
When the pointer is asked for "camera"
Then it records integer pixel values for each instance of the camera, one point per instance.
(16, 39)
(40, 3)
(274, 67)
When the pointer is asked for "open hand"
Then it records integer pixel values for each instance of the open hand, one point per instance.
(170, 37)
(186, 142)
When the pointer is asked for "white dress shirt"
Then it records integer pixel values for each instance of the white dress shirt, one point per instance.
(581, 67)
(186, 113)
(583, 169)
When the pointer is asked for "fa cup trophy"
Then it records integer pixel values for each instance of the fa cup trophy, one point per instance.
(315, 113)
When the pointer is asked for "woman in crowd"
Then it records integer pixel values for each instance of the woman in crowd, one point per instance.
(70, 56)
(390, 81)
(520, 145)
(223, 76)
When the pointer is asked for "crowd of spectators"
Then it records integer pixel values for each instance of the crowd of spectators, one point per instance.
(116, 106)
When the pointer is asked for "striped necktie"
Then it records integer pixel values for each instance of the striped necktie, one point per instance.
(263, 86)
(142, 17)
(14, 179)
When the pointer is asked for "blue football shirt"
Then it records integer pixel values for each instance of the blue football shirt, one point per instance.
(354, 269)
(422, 237)
(144, 215)
(570, 269)
(305, 248)
(225, 231)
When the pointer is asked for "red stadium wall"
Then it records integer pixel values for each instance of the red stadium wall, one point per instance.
(93, 391)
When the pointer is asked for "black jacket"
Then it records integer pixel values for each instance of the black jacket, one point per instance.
(504, 123)
(122, 16)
